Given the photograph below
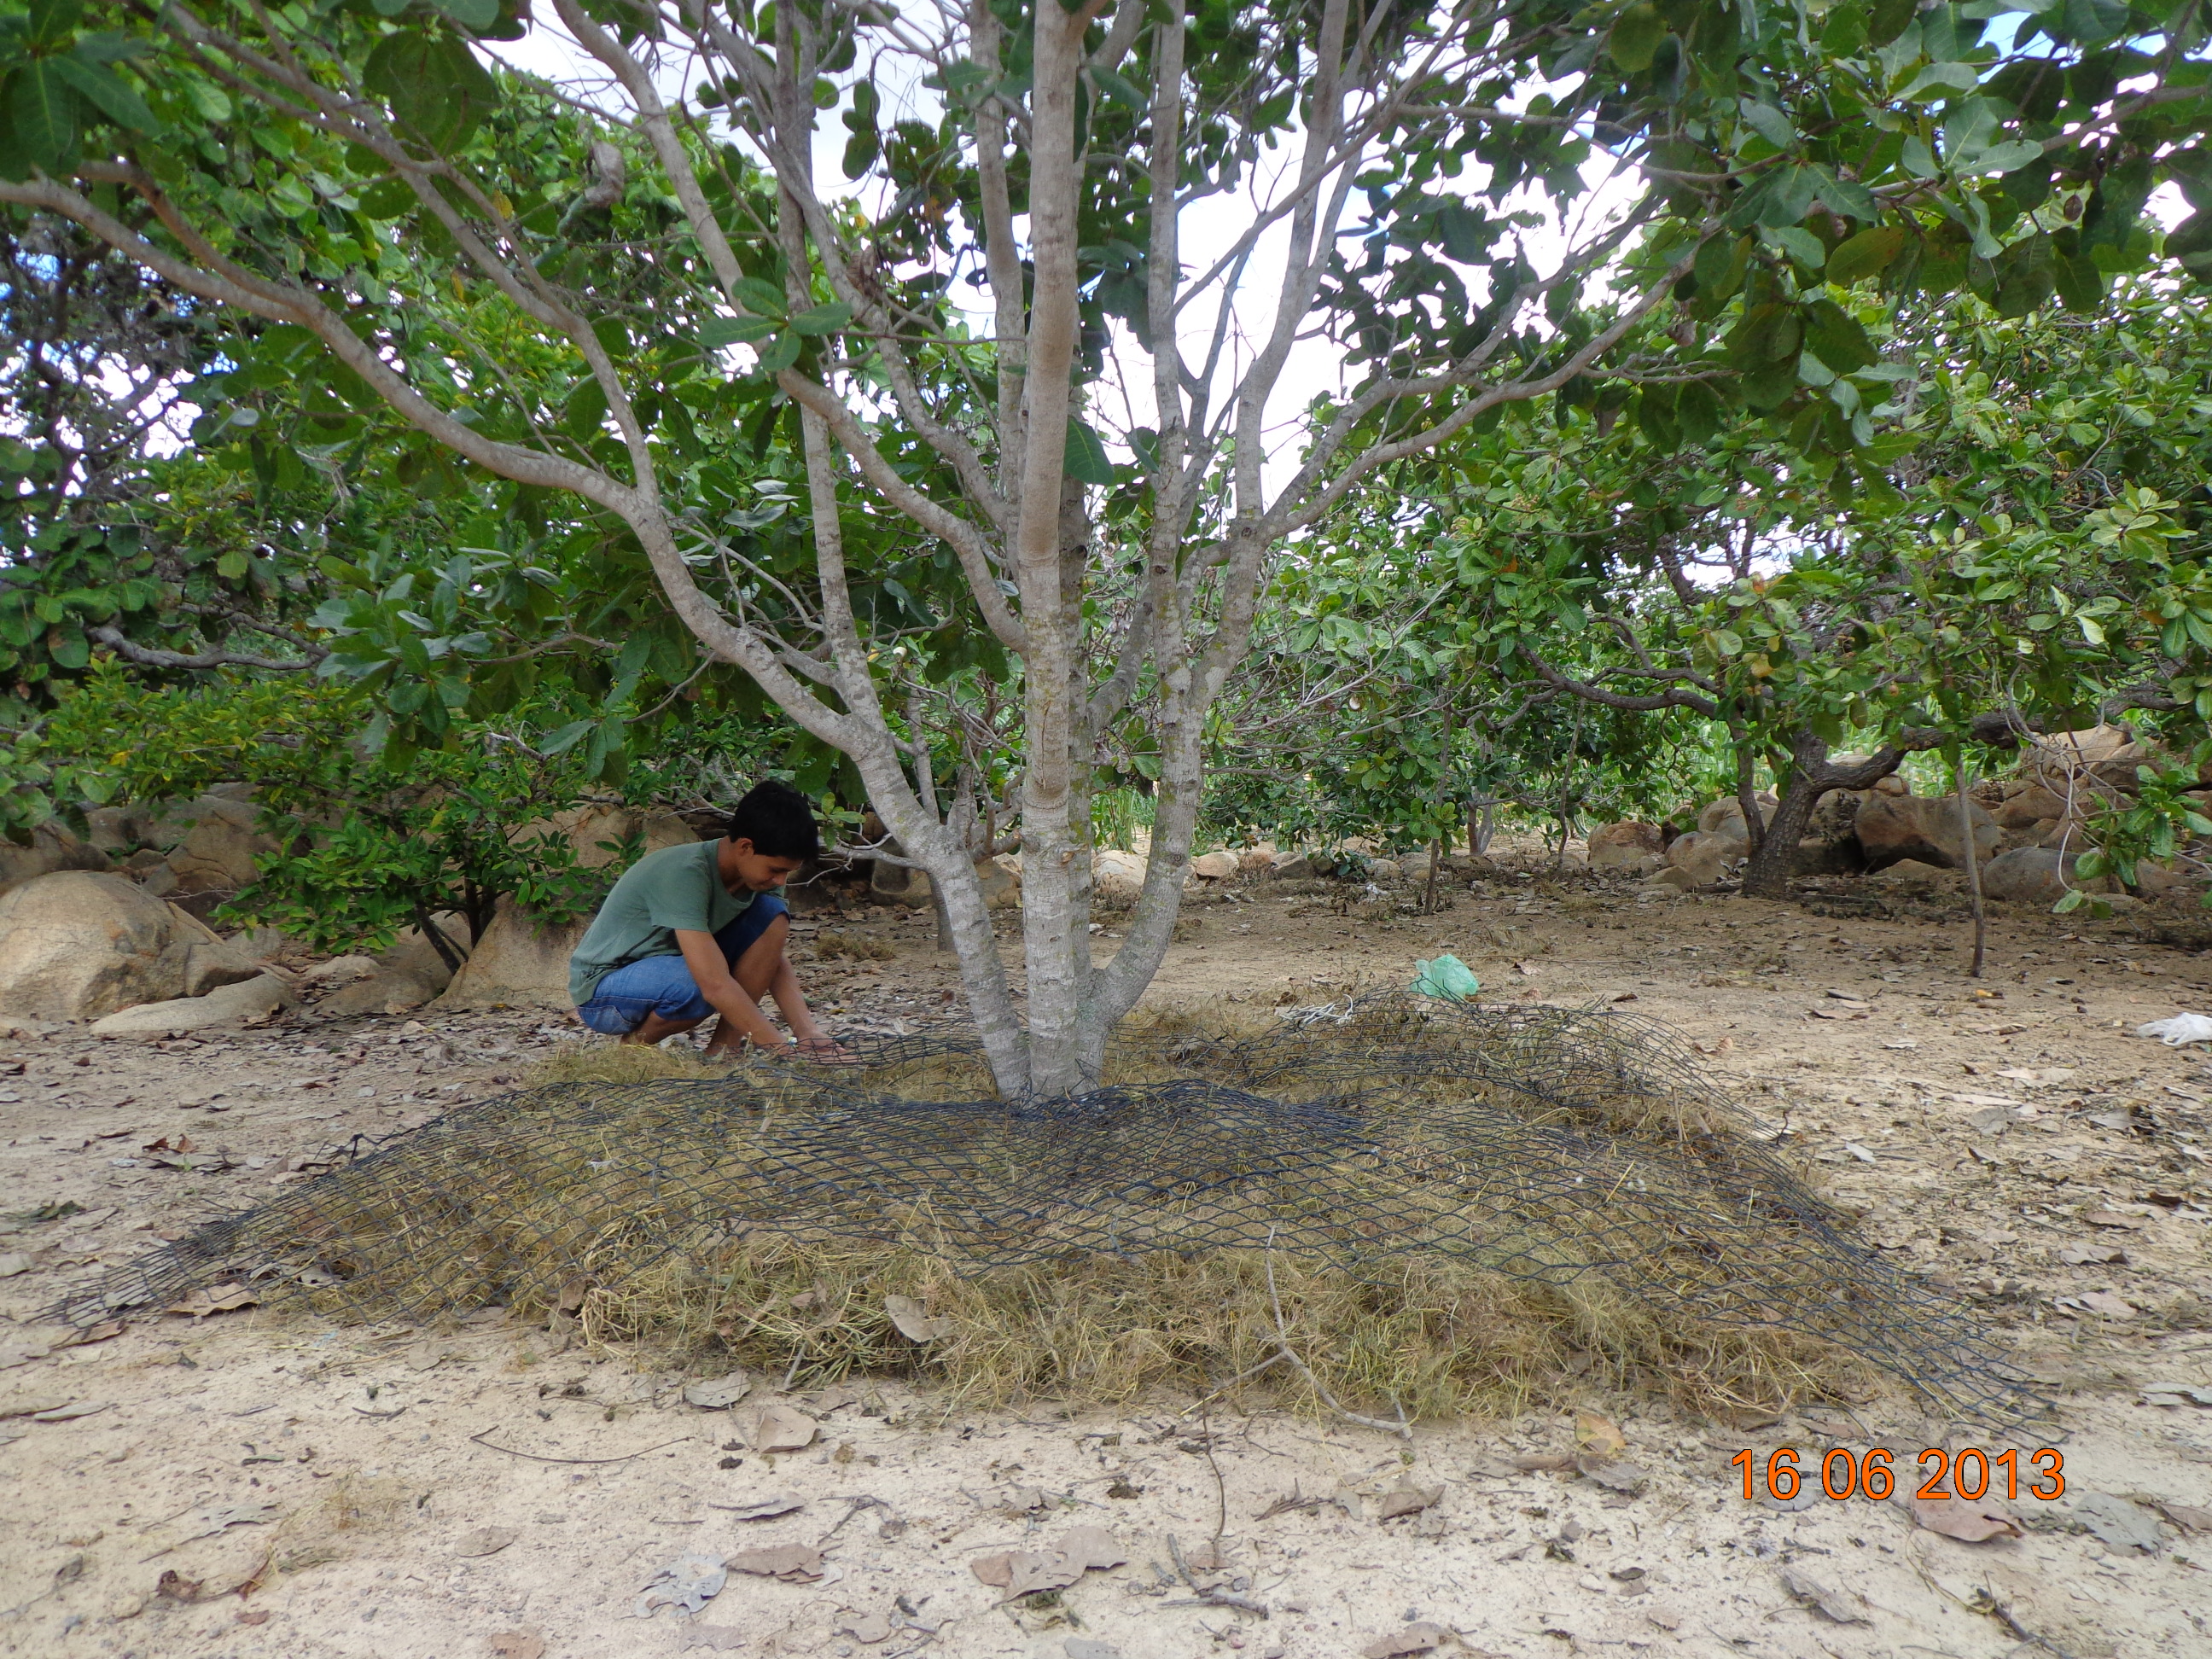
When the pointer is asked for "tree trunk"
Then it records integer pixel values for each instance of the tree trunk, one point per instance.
(1767, 874)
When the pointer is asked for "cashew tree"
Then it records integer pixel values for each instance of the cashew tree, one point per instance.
(1043, 311)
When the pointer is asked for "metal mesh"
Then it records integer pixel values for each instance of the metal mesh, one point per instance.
(1544, 1145)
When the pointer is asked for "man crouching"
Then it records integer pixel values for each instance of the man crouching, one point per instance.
(697, 930)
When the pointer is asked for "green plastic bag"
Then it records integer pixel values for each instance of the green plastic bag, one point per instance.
(1447, 977)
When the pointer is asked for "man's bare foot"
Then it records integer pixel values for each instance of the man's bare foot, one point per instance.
(826, 1050)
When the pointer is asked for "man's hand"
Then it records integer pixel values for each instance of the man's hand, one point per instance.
(827, 1050)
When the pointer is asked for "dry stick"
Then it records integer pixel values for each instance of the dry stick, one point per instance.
(535, 1458)
(1402, 1429)
(1973, 853)
(1209, 1598)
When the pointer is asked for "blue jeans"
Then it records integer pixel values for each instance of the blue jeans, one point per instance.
(664, 985)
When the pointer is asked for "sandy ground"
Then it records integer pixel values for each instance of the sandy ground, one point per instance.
(239, 1484)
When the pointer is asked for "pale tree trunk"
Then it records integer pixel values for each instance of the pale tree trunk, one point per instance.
(1009, 516)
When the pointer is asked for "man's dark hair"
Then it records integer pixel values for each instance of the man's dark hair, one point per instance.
(776, 819)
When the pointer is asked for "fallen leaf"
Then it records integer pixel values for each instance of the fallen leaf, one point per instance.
(762, 1508)
(1726, 1045)
(1598, 1437)
(865, 1627)
(2176, 1394)
(2187, 1517)
(781, 1429)
(1407, 1500)
(1024, 1572)
(30, 1405)
(2115, 1219)
(1970, 1523)
(719, 1638)
(254, 1615)
(1841, 1606)
(718, 1394)
(221, 1517)
(2120, 1524)
(1621, 1476)
(1527, 969)
(2080, 1255)
(1859, 1152)
(1423, 1638)
(14, 1262)
(485, 1541)
(216, 1299)
(2104, 1304)
(795, 1563)
(914, 1321)
(517, 1644)
(1541, 1462)
(173, 1586)
(689, 1582)
(69, 1414)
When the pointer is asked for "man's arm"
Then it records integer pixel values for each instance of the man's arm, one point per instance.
(710, 972)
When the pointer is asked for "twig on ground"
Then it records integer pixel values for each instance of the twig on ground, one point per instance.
(1402, 1429)
(478, 1439)
(1208, 1598)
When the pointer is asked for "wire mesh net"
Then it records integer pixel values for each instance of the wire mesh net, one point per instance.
(1552, 1146)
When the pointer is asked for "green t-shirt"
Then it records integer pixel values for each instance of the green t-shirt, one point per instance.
(676, 887)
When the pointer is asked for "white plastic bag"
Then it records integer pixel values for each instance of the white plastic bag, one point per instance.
(2182, 1028)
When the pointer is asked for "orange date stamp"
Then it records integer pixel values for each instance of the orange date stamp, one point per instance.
(1970, 1473)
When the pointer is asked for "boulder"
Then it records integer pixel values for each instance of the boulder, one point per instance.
(339, 970)
(1893, 828)
(1216, 866)
(2028, 875)
(896, 884)
(2072, 833)
(1911, 873)
(1835, 815)
(405, 976)
(1718, 813)
(1002, 882)
(1825, 856)
(52, 847)
(210, 960)
(597, 833)
(220, 848)
(1292, 866)
(76, 944)
(1625, 846)
(2027, 804)
(518, 963)
(1702, 857)
(243, 1002)
(1892, 785)
(1386, 870)
(1116, 877)
(2109, 754)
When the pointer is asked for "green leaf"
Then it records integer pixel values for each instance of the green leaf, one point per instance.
(53, 23)
(436, 89)
(719, 331)
(474, 15)
(231, 566)
(1635, 37)
(1858, 257)
(42, 112)
(763, 299)
(1935, 79)
(106, 92)
(1887, 19)
(387, 198)
(823, 319)
(779, 354)
(1119, 90)
(1086, 456)
(1769, 123)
